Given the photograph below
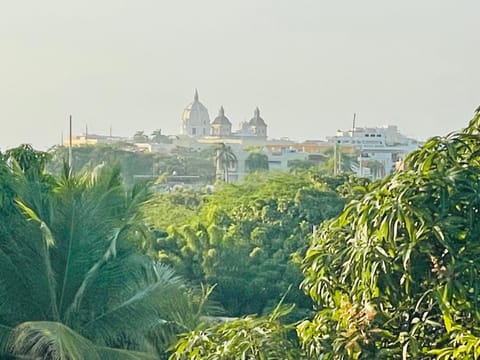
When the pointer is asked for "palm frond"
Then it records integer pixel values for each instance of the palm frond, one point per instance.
(76, 232)
(48, 241)
(91, 274)
(5, 334)
(151, 295)
(51, 341)
(87, 242)
(107, 353)
(14, 290)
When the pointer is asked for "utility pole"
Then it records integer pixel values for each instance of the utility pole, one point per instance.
(353, 137)
(339, 160)
(70, 160)
(335, 159)
(360, 160)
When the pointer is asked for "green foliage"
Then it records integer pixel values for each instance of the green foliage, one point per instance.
(29, 161)
(72, 284)
(396, 275)
(301, 165)
(167, 210)
(187, 161)
(181, 161)
(256, 161)
(249, 238)
(158, 138)
(249, 338)
(140, 137)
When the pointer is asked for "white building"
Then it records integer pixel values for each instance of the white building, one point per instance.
(377, 149)
(371, 137)
(196, 123)
(375, 145)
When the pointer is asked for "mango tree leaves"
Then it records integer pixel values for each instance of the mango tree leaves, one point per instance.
(396, 275)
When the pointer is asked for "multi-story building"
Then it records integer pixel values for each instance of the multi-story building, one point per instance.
(378, 149)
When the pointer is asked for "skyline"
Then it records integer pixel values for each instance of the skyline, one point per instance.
(308, 65)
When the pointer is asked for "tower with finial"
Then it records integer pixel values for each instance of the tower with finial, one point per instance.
(221, 126)
(257, 125)
(195, 119)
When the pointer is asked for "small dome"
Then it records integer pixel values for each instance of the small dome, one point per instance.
(221, 119)
(257, 120)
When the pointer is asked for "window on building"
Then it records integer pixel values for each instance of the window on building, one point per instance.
(194, 131)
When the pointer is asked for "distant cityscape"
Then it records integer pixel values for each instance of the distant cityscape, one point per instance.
(376, 151)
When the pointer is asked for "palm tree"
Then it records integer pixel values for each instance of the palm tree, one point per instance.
(339, 161)
(225, 158)
(73, 286)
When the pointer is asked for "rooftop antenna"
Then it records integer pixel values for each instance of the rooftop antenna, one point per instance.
(110, 130)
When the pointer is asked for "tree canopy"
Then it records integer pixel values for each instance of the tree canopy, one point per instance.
(256, 161)
(248, 238)
(250, 337)
(396, 275)
(73, 285)
(180, 161)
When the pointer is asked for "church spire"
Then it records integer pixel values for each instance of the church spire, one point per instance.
(195, 97)
(221, 112)
(257, 112)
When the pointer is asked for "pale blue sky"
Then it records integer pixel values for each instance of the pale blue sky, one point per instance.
(309, 65)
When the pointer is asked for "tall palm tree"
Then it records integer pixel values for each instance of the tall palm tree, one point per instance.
(225, 158)
(339, 161)
(72, 285)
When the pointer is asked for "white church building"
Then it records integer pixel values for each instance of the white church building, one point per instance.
(196, 123)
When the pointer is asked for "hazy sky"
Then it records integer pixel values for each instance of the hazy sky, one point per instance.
(308, 64)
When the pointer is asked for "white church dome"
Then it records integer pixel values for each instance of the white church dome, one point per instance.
(195, 119)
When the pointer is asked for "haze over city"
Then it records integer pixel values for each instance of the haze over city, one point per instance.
(308, 65)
